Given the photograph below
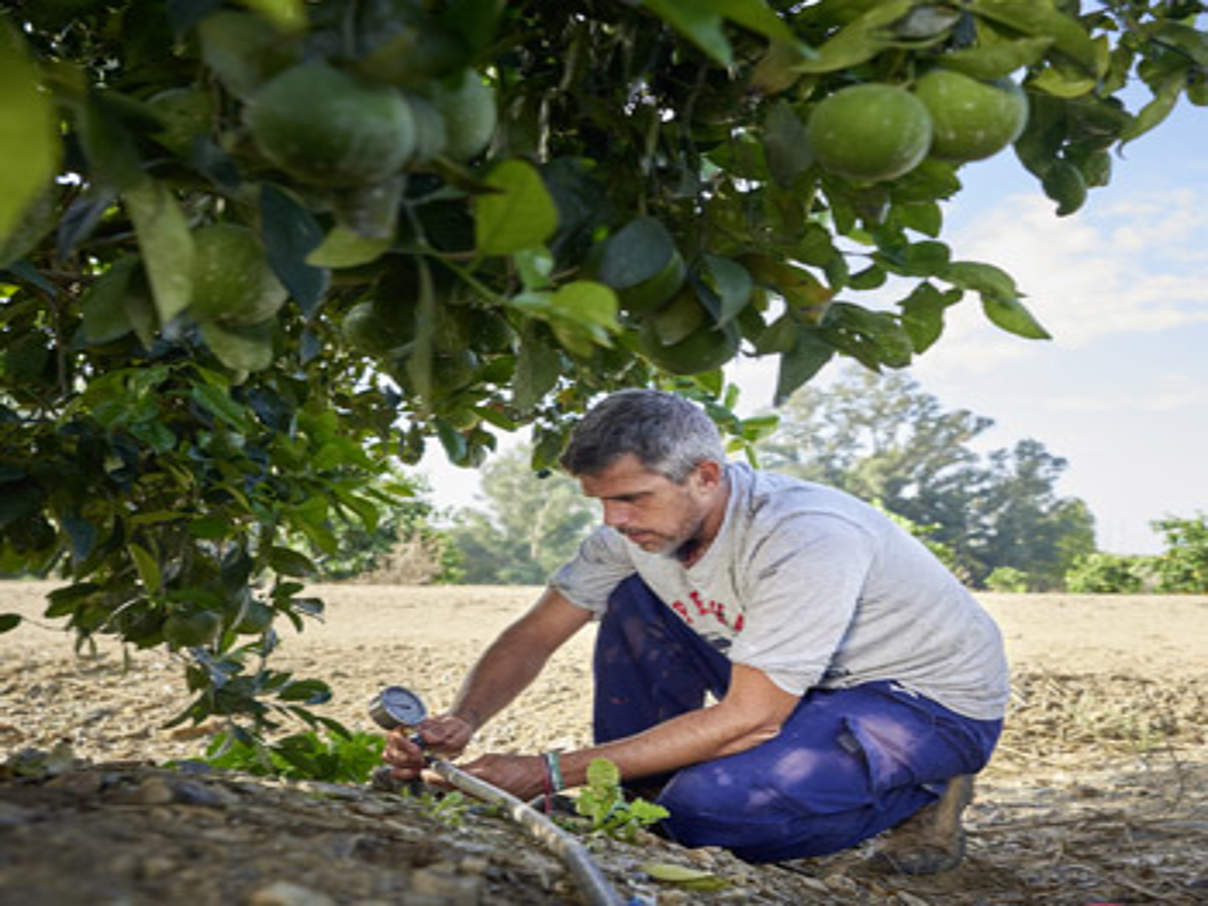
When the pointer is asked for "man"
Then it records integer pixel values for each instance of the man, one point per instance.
(856, 682)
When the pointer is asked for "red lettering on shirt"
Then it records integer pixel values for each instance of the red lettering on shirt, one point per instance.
(700, 605)
(738, 623)
(680, 608)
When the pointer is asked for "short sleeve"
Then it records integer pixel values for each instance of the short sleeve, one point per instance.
(600, 565)
(805, 578)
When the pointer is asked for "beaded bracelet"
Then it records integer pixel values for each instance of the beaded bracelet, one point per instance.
(554, 769)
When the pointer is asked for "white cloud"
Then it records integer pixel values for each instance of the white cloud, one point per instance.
(1128, 268)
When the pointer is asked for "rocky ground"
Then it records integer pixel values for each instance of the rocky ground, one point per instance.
(1098, 792)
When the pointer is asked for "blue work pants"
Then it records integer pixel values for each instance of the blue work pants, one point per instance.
(846, 765)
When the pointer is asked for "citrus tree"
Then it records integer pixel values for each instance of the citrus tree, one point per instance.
(253, 251)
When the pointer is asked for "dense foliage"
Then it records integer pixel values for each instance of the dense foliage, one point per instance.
(252, 253)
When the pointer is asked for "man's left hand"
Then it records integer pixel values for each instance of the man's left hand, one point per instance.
(521, 775)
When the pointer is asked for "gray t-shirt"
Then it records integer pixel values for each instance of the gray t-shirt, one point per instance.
(815, 588)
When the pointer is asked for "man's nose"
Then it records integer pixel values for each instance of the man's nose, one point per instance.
(616, 513)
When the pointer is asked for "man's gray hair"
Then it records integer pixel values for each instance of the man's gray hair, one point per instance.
(667, 433)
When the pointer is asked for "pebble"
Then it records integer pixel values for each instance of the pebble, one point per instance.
(441, 882)
(78, 783)
(287, 893)
(152, 791)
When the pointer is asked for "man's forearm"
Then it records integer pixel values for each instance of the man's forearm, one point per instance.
(503, 671)
(751, 713)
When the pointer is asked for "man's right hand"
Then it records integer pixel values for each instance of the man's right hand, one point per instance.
(446, 735)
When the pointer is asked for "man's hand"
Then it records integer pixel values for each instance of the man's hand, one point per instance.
(445, 735)
(521, 775)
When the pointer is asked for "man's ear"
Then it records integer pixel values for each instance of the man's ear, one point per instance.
(708, 474)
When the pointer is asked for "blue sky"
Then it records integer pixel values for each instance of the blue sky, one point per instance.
(1121, 391)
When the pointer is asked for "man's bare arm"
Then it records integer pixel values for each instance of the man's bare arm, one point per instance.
(501, 673)
(751, 713)
(516, 657)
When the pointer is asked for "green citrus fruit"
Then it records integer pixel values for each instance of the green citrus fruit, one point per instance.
(430, 135)
(870, 132)
(188, 630)
(453, 370)
(185, 113)
(704, 349)
(467, 106)
(971, 119)
(490, 332)
(1197, 89)
(232, 280)
(256, 618)
(1063, 182)
(328, 128)
(677, 319)
(375, 329)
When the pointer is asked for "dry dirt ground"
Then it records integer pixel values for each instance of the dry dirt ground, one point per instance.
(1098, 792)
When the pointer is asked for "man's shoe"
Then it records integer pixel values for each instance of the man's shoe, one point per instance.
(932, 840)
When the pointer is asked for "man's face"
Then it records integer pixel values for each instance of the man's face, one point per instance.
(649, 509)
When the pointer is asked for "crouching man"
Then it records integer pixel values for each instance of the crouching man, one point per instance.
(856, 685)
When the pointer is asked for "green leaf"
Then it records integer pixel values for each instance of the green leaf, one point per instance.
(287, 15)
(682, 876)
(1157, 109)
(602, 773)
(453, 440)
(520, 215)
(733, 284)
(923, 314)
(9, 621)
(805, 359)
(785, 147)
(860, 40)
(701, 22)
(591, 305)
(982, 278)
(147, 568)
(105, 303)
(537, 369)
(1040, 18)
(217, 400)
(1010, 315)
(309, 692)
(994, 61)
(291, 233)
(242, 348)
(29, 143)
(637, 252)
(290, 563)
(1062, 81)
(343, 247)
(166, 246)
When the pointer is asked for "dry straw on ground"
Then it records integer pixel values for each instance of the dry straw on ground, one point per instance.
(1098, 792)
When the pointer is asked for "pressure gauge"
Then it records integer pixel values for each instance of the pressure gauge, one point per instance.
(397, 706)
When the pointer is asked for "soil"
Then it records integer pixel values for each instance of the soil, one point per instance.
(1098, 792)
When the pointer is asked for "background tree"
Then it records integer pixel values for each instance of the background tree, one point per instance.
(253, 253)
(531, 524)
(887, 441)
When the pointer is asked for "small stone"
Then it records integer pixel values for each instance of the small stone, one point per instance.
(12, 814)
(474, 865)
(152, 791)
(287, 893)
(440, 881)
(154, 867)
(78, 783)
(190, 792)
(370, 809)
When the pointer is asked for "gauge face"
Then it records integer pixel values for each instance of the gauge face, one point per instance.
(403, 705)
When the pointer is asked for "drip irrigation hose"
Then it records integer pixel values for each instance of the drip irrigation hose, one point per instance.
(396, 706)
(595, 886)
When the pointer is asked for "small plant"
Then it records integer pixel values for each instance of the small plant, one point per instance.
(449, 809)
(603, 802)
(348, 758)
(1103, 573)
(1007, 579)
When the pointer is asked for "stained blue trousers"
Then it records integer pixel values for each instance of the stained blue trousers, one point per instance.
(846, 765)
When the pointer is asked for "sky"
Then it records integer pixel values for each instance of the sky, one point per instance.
(1121, 391)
